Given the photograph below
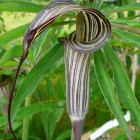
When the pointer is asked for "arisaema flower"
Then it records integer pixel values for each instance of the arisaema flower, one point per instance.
(90, 36)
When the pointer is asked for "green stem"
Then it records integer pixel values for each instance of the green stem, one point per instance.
(26, 121)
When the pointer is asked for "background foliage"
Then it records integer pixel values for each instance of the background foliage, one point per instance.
(42, 77)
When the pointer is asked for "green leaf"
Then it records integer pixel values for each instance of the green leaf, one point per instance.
(3, 101)
(98, 4)
(3, 120)
(11, 53)
(30, 83)
(28, 111)
(127, 22)
(107, 88)
(129, 37)
(136, 135)
(13, 34)
(49, 120)
(2, 51)
(42, 42)
(65, 135)
(60, 89)
(20, 31)
(49, 89)
(123, 86)
(20, 6)
(121, 136)
(9, 136)
(11, 64)
(5, 71)
(33, 109)
(130, 7)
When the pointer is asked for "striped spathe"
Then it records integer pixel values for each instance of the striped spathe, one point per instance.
(97, 31)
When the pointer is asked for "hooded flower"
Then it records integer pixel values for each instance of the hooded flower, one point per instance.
(96, 31)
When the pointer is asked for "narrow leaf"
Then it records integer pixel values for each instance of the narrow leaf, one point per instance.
(3, 120)
(130, 7)
(64, 135)
(107, 89)
(127, 22)
(49, 123)
(20, 31)
(11, 53)
(33, 109)
(98, 4)
(30, 83)
(20, 6)
(13, 34)
(3, 101)
(27, 111)
(129, 37)
(123, 86)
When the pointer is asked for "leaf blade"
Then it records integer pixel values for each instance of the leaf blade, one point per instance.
(107, 88)
(33, 109)
(127, 22)
(11, 53)
(19, 6)
(49, 123)
(13, 34)
(20, 31)
(123, 86)
(129, 37)
(31, 81)
(130, 7)
(3, 101)
(64, 135)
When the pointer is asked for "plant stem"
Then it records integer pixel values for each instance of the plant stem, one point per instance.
(26, 121)
(134, 70)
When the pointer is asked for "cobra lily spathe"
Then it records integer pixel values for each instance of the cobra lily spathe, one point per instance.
(96, 31)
